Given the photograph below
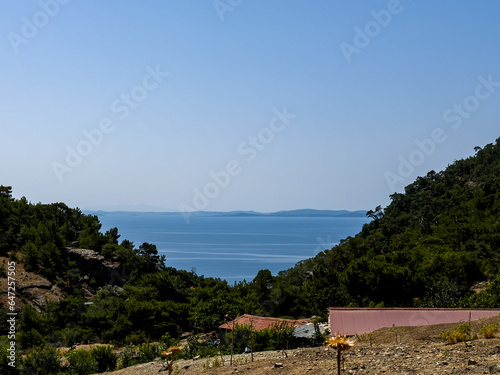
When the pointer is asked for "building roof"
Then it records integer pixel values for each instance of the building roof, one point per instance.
(260, 322)
(307, 330)
(352, 321)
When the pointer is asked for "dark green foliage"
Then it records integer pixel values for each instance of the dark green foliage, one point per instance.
(426, 248)
(82, 362)
(105, 357)
(278, 336)
(42, 360)
(193, 345)
(212, 300)
(169, 341)
(127, 358)
(148, 352)
(33, 328)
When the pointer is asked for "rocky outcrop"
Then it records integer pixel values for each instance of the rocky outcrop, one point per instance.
(95, 266)
(30, 289)
(36, 290)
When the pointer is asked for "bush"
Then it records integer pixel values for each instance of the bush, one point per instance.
(43, 360)
(148, 352)
(169, 341)
(69, 335)
(489, 330)
(128, 357)
(136, 338)
(106, 359)
(458, 335)
(193, 345)
(278, 336)
(82, 362)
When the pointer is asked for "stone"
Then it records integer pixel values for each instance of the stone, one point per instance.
(493, 369)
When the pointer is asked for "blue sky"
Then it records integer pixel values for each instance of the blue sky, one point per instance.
(241, 105)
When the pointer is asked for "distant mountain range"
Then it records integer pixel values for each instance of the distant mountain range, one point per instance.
(291, 213)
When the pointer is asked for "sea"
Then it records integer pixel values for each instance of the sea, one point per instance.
(232, 248)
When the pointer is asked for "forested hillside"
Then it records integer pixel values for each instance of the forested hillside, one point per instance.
(426, 248)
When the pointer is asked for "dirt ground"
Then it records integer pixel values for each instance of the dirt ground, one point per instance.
(399, 350)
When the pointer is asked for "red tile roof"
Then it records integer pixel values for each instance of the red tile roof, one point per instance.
(351, 321)
(260, 322)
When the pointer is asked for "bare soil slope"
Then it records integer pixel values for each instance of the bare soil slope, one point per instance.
(418, 350)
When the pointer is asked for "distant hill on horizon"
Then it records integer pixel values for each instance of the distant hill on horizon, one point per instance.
(307, 212)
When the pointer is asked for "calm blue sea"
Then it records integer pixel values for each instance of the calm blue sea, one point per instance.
(233, 248)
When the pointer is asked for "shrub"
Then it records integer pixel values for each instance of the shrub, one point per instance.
(489, 330)
(193, 345)
(318, 337)
(148, 352)
(128, 357)
(69, 335)
(216, 362)
(168, 340)
(136, 338)
(278, 336)
(458, 335)
(42, 360)
(106, 359)
(82, 362)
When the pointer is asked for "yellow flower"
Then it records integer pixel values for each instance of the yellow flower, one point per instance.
(339, 342)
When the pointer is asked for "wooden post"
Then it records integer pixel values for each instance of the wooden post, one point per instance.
(220, 348)
(232, 344)
(251, 340)
(338, 361)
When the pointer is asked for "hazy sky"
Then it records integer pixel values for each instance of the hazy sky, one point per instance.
(241, 105)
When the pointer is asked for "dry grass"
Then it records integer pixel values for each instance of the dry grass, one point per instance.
(418, 350)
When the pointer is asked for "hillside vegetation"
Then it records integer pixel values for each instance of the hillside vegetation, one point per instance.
(428, 247)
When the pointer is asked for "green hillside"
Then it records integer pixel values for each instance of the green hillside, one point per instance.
(428, 247)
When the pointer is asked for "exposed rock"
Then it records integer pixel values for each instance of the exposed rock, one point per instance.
(103, 271)
(36, 290)
(32, 281)
(31, 289)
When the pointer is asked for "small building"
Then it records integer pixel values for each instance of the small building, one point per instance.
(356, 320)
(260, 322)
